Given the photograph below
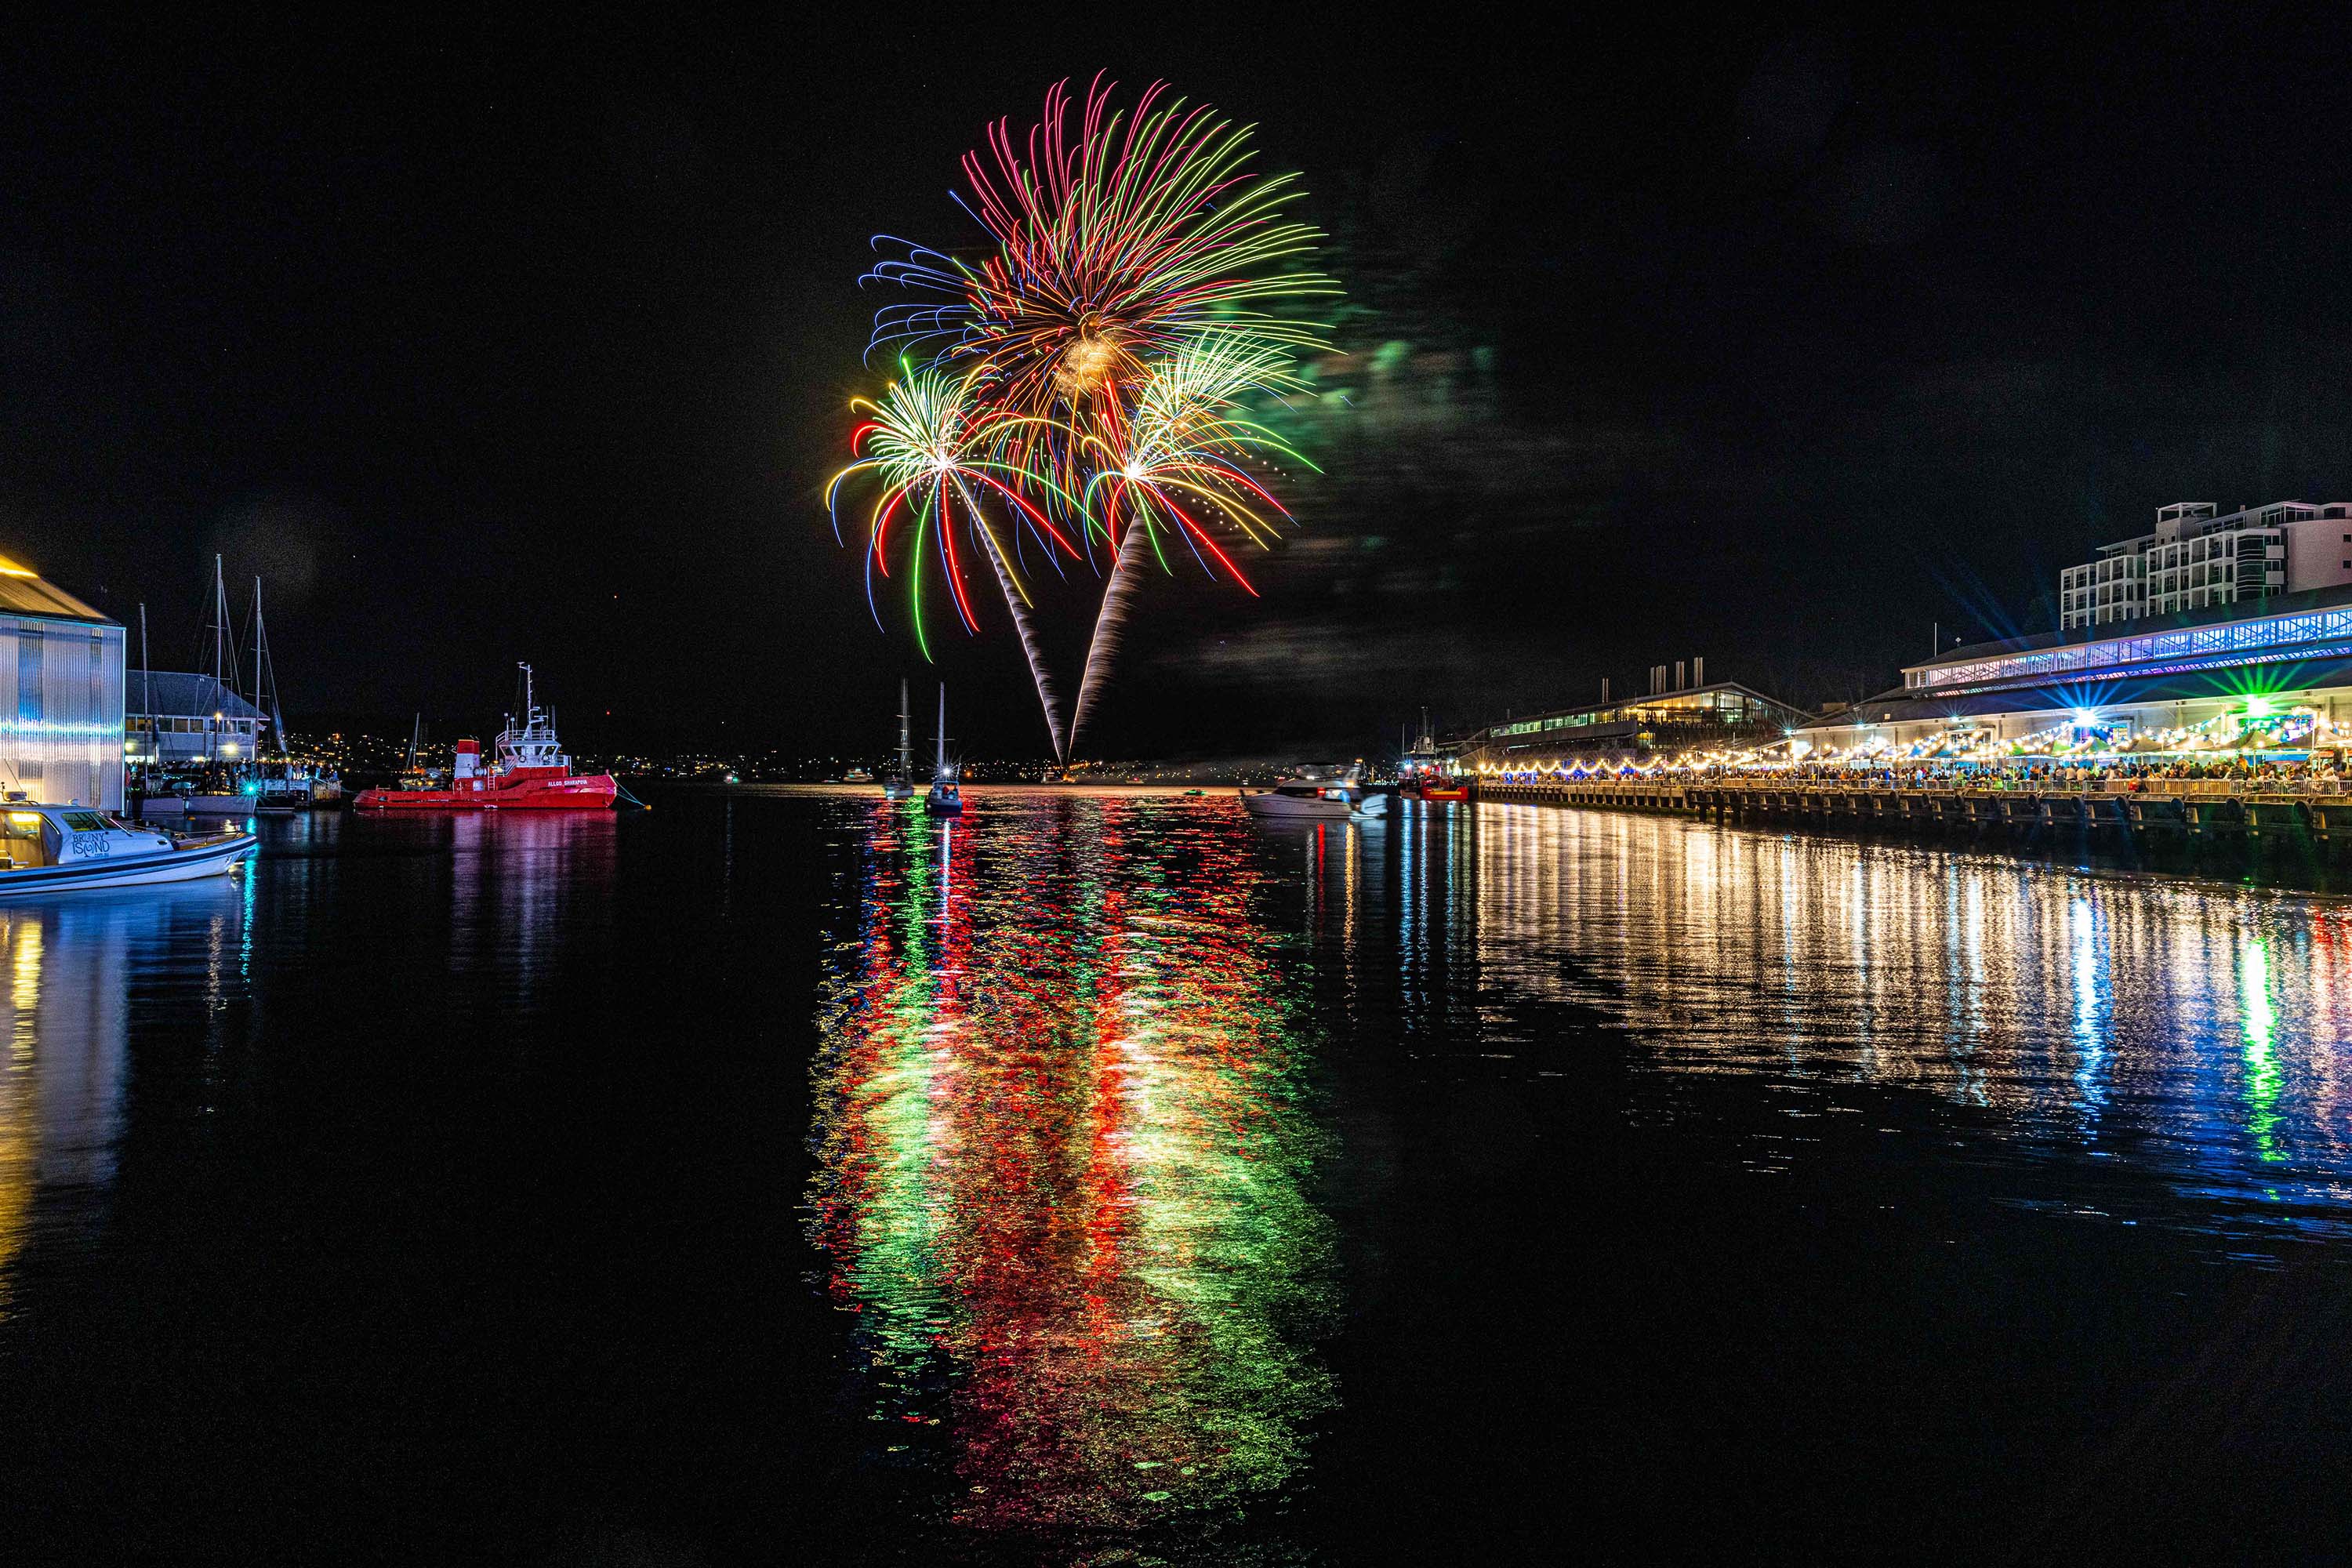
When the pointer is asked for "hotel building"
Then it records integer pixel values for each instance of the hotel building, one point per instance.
(2199, 559)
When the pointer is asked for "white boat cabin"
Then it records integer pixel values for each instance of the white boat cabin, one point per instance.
(33, 836)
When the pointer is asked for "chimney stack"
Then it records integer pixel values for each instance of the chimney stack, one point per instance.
(1678, 675)
(1698, 672)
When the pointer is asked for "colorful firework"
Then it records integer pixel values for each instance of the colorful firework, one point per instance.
(930, 446)
(1176, 463)
(1088, 376)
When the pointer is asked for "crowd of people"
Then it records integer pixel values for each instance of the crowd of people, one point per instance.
(2319, 773)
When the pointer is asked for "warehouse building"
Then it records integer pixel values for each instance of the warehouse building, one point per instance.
(1670, 717)
(61, 668)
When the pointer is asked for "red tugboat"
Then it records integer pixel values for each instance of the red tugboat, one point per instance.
(531, 774)
(1423, 776)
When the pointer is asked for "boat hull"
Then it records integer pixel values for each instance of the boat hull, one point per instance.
(1312, 808)
(210, 858)
(585, 791)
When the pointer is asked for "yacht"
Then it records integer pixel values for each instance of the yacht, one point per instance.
(946, 798)
(1320, 800)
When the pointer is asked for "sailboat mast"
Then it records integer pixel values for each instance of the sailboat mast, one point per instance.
(942, 767)
(258, 643)
(906, 740)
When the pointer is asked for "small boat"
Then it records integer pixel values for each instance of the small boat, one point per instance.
(898, 783)
(854, 775)
(1320, 800)
(531, 774)
(946, 798)
(61, 848)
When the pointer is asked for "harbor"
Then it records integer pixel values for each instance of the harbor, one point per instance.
(1048, 1035)
(1342, 792)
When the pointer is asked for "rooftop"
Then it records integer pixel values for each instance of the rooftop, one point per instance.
(179, 695)
(23, 592)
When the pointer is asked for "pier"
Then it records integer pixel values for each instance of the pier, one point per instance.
(2161, 809)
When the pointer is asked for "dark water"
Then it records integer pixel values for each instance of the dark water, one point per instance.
(1109, 1179)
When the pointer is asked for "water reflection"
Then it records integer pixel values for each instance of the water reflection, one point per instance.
(1061, 1146)
(2199, 1027)
(69, 963)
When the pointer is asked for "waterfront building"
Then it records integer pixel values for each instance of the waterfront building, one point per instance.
(2273, 676)
(1722, 716)
(179, 720)
(2199, 559)
(61, 666)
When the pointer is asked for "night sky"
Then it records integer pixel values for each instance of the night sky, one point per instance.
(533, 341)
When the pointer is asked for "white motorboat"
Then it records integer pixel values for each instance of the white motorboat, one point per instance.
(1320, 800)
(61, 848)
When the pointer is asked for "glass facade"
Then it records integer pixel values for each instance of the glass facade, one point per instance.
(2315, 633)
(1718, 706)
(61, 737)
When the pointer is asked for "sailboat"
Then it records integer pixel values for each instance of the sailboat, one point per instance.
(899, 782)
(944, 799)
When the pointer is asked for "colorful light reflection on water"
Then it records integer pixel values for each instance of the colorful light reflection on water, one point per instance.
(1062, 1147)
(2196, 1029)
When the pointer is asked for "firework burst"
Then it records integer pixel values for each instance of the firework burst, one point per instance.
(1090, 374)
(929, 445)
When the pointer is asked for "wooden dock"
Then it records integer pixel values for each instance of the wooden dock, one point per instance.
(2182, 808)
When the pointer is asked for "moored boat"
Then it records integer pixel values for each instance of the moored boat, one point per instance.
(1321, 800)
(898, 783)
(530, 773)
(945, 797)
(67, 848)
